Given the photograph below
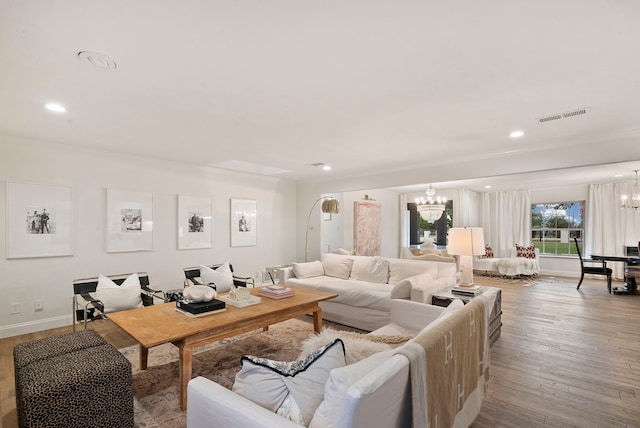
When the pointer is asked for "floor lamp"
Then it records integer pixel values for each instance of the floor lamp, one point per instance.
(466, 242)
(329, 206)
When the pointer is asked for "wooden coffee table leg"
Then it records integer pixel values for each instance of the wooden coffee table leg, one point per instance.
(144, 356)
(317, 320)
(186, 360)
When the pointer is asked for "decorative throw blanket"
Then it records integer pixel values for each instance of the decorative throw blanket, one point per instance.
(457, 367)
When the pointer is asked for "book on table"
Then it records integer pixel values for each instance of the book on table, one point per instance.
(197, 308)
(472, 290)
(276, 292)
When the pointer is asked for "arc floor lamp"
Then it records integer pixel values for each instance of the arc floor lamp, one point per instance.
(329, 206)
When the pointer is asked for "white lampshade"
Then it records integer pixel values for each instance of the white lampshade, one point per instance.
(466, 241)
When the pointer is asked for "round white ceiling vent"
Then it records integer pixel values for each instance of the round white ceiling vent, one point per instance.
(97, 60)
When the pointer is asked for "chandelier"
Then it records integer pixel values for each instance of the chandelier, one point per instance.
(432, 207)
(634, 202)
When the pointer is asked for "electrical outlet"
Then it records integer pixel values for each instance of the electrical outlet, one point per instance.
(38, 305)
(15, 307)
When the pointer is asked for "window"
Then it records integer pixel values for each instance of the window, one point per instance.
(554, 225)
(438, 229)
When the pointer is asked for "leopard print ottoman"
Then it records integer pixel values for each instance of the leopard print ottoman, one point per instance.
(74, 387)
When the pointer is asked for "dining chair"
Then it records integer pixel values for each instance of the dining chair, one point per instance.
(593, 270)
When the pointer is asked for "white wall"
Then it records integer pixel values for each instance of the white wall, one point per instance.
(339, 232)
(89, 173)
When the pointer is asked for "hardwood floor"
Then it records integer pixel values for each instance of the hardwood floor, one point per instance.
(566, 357)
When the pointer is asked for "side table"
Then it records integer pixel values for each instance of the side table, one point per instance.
(445, 297)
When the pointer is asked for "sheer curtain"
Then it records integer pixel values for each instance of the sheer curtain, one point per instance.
(608, 227)
(506, 220)
(466, 208)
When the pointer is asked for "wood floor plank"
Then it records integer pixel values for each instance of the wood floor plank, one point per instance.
(566, 357)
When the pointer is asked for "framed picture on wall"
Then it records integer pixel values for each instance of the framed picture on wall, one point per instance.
(243, 222)
(39, 220)
(129, 221)
(194, 222)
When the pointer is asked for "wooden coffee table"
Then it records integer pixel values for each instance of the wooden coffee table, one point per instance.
(158, 324)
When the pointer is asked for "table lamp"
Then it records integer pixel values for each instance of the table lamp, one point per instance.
(466, 242)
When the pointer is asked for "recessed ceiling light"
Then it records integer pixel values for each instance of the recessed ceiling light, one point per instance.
(617, 175)
(58, 108)
(487, 187)
(516, 134)
(326, 168)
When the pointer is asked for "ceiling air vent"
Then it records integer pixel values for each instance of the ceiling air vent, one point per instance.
(564, 115)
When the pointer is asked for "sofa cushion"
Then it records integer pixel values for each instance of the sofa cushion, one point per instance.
(308, 270)
(434, 258)
(526, 252)
(355, 293)
(401, 269)
(337, 266)
(340, 380)
(221, 277)
(292, 389)
(119, 297)
(488, 252)
(371, 269)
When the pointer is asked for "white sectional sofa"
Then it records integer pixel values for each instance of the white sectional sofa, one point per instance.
(386, 389)
(366, 285)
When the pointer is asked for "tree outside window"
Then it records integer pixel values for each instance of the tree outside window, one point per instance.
(554, 225)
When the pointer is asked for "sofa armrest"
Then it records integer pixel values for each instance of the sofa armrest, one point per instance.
(209, 403)
(421, 291)
(284, 274)
(413, 315)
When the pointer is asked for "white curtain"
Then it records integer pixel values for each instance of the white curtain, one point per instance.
(506, 220)
(466, 208)
(608, 227)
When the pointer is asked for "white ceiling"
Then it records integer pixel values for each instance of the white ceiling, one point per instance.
(366, 86)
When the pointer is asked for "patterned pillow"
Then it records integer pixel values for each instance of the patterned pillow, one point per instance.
(488, 252)
(293, 390)
(526, 252)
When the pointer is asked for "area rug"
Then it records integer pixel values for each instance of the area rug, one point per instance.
(156, 389)
(523, 281)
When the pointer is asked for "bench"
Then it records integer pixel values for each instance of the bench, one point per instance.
(73, 380)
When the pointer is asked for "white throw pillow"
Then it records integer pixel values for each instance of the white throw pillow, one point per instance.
(337, 266)
(199, 293)
(370, 269)
(340, 380)
(402, 269)
(308, 270)
(221, 277)
(116, 297)
(292, 389)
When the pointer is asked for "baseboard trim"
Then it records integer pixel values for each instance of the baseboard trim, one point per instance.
(34, 326)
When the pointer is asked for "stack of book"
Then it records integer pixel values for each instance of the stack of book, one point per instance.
(472, 290)
(275, 292)
(200, 308)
